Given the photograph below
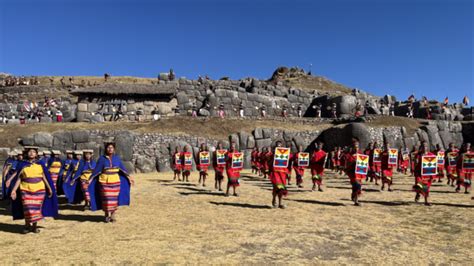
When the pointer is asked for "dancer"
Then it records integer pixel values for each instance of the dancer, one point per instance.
(203, 165)
(465, 168)
(82, 176)
(318, 162)
(109, 184)
(300, 163)
(177, 164)
(234, 164)
(187, 163)
(425, 171)
(33, 194)
(279, 173)
(355, 178)
(218, 163)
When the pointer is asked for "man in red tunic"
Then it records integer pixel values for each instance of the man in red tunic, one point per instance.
(219, 167)
(278, 177)
(203, 164)
(464, 174)
(369, 151)
(403, 160)
(233, 173)
(422, 182)
(317, 164)
(377, 163)
(387, 168)
(254, 161)
(177, 164)
(356, 179)
(451, 162)
(265, 158)
(187, 164)
(299, 169)
(440, 166)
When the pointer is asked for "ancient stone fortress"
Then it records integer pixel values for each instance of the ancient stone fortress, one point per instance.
(288, 89)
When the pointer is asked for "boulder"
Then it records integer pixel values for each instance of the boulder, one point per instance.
(80, 136)
(433, 136)
(250, 142)
(62, 140)
(204, 112)
(124, 145)
(345, 104)
(145, 165)
(97, 118)
(267, 133)
(4, 153)
(247, 159)
(261, 143)
(28, 140)
(468, 132)
(243, 139)
(234, 138)
(258, 133)
(43, 139)
(163, 163)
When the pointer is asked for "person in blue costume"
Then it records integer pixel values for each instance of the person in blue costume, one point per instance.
(10, 177)
(77, 190)
(7, 167)
(67, 164)
(45, 158)
(73, 168)
(109, 184)
(33, 194)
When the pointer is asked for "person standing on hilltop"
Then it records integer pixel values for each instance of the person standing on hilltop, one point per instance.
(465, 101)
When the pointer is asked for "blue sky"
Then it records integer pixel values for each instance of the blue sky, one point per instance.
(394, 47)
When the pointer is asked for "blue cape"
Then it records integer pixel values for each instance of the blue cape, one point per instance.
(74, 193)
(13, 163)
(50, 205)
(94, 186)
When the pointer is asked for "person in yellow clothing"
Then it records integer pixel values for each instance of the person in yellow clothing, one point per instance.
(31, 185)
(55, 167)
(109, 185)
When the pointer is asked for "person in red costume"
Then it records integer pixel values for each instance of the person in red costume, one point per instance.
(219, 167)
(317, 164)
(403, 160)
(255, 161)
(233, 173)
(464, 173)
(278, 177)
(186, 166)
(440, 166)
(423, 182)
(356, 179)
(265, 158)
(451, 163)
(299, 169)
(177, 164)
(377, 163)
(387, 169)
(369, 151)
(203, 164)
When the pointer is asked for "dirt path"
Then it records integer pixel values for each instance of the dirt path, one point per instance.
(171, 222)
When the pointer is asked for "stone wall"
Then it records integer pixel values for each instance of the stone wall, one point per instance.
(150, 152)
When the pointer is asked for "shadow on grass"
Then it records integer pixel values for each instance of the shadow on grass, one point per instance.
(241, 205)
(81, 218)
(205, 192)
(13, 228)
(327, 203)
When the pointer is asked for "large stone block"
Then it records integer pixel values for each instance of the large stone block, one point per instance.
(250, 142)
(243, 139)
(82, 107)
(261, 143)
(43, 139)
(124, 145)
(80, 136)
(258, 133)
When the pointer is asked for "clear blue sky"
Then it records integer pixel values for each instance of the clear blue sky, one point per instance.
(395, 47)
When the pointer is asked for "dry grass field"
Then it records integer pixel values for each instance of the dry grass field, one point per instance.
(176, 223)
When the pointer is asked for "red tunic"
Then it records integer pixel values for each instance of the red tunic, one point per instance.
(278, 176)
(255, 159)
(202, 167)
(387, 169)
(350, 159)
(265, 158)
(423, 182)
(317, 163)
(450, 169)
(464, 175)
(177, 166)
(218, 168)
(402, 162)
(186, 167)
(299, 170)
(233, 174)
